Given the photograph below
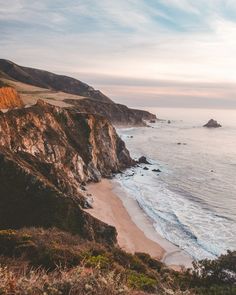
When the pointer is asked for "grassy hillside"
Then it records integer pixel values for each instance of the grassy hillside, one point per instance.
(38, 261)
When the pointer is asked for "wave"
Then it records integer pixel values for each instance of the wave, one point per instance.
(176, 215)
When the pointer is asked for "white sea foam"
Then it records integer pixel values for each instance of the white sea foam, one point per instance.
(184, 201)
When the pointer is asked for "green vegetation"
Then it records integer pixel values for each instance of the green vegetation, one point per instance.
(36, 261)
(215, 277)
(142, 282)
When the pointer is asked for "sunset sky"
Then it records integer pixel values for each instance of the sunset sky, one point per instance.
(139, 52)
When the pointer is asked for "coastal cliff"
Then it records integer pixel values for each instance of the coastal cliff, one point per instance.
(46, 153)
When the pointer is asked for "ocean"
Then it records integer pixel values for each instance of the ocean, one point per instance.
(192, 201)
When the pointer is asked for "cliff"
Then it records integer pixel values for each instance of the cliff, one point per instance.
(46, 152)
(58, 88)
(118, 114)
(9, 98)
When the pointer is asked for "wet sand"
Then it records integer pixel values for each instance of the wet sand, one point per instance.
(135, 230)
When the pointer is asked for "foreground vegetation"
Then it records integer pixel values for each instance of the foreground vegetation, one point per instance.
(52, 262)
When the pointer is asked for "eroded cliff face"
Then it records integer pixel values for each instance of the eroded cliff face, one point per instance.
(45, 154)
(9, 98)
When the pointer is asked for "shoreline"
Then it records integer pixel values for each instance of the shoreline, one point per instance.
(135, 229)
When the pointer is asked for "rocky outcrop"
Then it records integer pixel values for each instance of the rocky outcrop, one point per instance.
(212, 124)
(45, 154)
(118, 114)
(9, 98)
(49, 80)
(143, 160)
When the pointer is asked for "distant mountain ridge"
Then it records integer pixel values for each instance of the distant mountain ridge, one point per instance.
(52, 88)
(49, 80)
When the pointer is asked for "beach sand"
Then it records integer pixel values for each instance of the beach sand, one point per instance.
(135, 230)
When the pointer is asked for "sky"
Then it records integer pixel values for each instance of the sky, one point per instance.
(166, 53)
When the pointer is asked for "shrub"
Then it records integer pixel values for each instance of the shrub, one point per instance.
(100, 262)
(221, 271)
(141, 282)
(128, 260)
(152, 263)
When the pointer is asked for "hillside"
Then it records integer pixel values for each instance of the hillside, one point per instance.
(49, 80)
(33, 84)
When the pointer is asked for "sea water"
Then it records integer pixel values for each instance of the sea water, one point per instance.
(192, 201)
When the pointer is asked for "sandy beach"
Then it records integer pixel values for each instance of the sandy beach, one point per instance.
(135, 230)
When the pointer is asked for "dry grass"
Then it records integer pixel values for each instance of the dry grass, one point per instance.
(75, 281)
(30, 94)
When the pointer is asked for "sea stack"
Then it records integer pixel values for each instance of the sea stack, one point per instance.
(212, 124)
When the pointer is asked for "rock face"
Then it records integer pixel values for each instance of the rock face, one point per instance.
(212, 124)
(118, 114)
(45, 154)
(9, 98)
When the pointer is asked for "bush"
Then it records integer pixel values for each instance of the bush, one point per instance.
(141, 282)
(100, 262)
(221, 271)
(11, 243)
(128, 260)
(152, 263)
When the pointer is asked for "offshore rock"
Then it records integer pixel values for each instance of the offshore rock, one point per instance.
(212, 124)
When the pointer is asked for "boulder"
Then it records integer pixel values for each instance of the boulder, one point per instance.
(212, 124)
(156, 170)
(143, 160)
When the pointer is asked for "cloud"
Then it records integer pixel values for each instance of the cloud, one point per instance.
(163, 40)
(184, 5)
